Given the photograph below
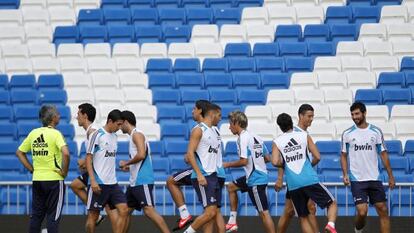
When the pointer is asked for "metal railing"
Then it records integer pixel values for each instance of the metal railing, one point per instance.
(16, 199)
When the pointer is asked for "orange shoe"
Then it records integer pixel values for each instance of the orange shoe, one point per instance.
(231, 227)
(330, 229)
(183, 222)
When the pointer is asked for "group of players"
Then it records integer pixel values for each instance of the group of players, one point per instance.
(294, 152)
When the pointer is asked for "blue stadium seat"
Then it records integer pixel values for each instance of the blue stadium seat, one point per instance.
(188, 97)
(166, 97)
(161, 81)
(174, 131)
(170, 114)
(166, 4)
(23, 129)
(237, 65)
(4, 97)
(343, 32)
(190, 4)
(177, 34)
(270, 65)
(274, 81)
(226, 109)
(394, 147)
(146, 4)
(247, 3)
(73, 149)
(316, 33)
(9, 4)
(217, 81)
(399, 165)
(8, 148)
(159, 66)
(22, 82)
(391, 80)
(329, 148)
(215, 65)
(90, 17)
(23, 97)
(227, 16)
(175, 149)
(198, 15)
(337, 177)
(330, 166)
(321, 49)
(123, 149)
(148, 34)
(393, 97)
(121, 34)
(369, 14)
(177, 164)
(190, 81)
(113, 4)
(409, 150)
(67, 130)
(4, 82)
(288, 33)
(387, 2)
(293, 49)
(407, 64)
(157, 148)
(117, 16)
(93, 34)
(160, 165)
(369, 96)
(172, 17)
(246, 81)
(409, 80)
(66, 34)
(227, 97)
(187, 65)
(237, 50)
(359, 2)
(220, 3)
(298, 64)
(6, 114)
(56, 97)
(10, 163)
(338, 15)
(50, 82)
(13, 176)
(400, 202)
(262, 50)
(8, 132)
(256, 97)
(142, 17)
(28, 114)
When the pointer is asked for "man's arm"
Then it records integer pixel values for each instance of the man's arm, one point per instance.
(386, 162)
(344, 165)
(316, 156)
(279, 181)
(139, 140)
(276, 160)
(23, 159)
(239, 163)
(65, 161)
(195, 138)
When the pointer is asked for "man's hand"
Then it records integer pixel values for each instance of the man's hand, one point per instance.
(391, 182)
(202, 180)
(346, 180)
(278, 185)
(95, 187)
(123, 166)
(61, 173)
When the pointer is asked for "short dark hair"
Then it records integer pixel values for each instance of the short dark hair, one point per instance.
(114, 115)
(129, 116)
(358, 105)
(284, 121)
(203, 105)
(215, 107)
(89, 110)
(304, 108)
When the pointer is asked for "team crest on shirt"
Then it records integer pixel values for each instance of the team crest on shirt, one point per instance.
(372, 139)
(212, 199)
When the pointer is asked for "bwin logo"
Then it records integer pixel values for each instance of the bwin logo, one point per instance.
(362, 147)
(212, 150)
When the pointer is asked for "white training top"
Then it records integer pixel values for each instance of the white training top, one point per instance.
(103, 146)
(140, 173)
(363, 147)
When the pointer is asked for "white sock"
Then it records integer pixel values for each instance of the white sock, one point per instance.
(190, 230)
(358, 231)
(183, 211)
(233, 216)
(332, 224)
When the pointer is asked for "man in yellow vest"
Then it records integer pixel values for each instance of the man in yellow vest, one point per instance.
(50, 166)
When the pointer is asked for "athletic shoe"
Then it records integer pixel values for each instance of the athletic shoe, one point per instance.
(231, 227)
(100, 219)
(183, 222)
(330, 229)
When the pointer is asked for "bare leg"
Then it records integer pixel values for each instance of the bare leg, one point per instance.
(209, 213)
(267, 221)
(176, 193)
(382, 211)
(152, 214)
(287, 215)
(128, 221)
(121, 222)
(312, 216)
(234, 200)
(332, 212)
(79, 189)
(305, 225)
(113, 217)
(360, 218)
(91, 221)
(221, 225)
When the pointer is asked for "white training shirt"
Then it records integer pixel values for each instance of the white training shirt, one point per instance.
(363, 146)
(140, 173)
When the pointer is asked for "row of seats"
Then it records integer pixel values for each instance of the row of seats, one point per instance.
(396, 80)
(44, 82)
(28, 113)
(33, 97)
(9, 4)
(38, 17)
(107, 4)
(370, 48)
(11, 132)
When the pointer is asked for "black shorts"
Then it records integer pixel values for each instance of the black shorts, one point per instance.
(140, 196)
(257, 193)
(183, 177)
(317, 192)
(84, 178)
(111, 195)
(208, 195)
(362, 191)
(287, 196)
(221, 182)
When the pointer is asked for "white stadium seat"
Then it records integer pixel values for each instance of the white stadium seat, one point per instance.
(338, 96)
(59, 4)
(104, 109)
(402, 113)
(62, 17)
(327, 3)
(145, 114)
(322, 131)
(281, 15)
(378, 49)
(355, 64)
(292, 110)
(321, 113)
(309, 15)
(101, 65)
(328, 64)
(109, 96)
(96, 50)
(400, 32)
(205, 34)
(36, 17)
(85, 4)
(133, 81)
(332, 80)
(105, 81)
(259, 114)
(70, 50)
(152, 131)
(181, 50)
(309, 96)
(281, 97)
(260, 34)
(125, 50)
(153, 50)
(342, 126)
(77, 80)
(340, 113)
(42, 50)
(279, 3)
(388, 129)
(15, 51)
(73, 65)
(307, 80)
(80, 95)
(2, 66)
(45, 65)
(12, 35)
(384, 64)
(405, 131)
(403, 48)
(38, 35)
(394, 14)
(18, 65)
(350, 48)
(129, 65)
(230, 33)
(254, 16)
(301, 3)
(266, 131)
(410, 14)
(144, 97)
(11, 18)
(377, 113)
(208, 50)
(370, 32)
(33, 4)
(361, 80)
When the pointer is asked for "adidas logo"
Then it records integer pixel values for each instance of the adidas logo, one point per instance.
(257, 144)
(292, 145)
(39, 142)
